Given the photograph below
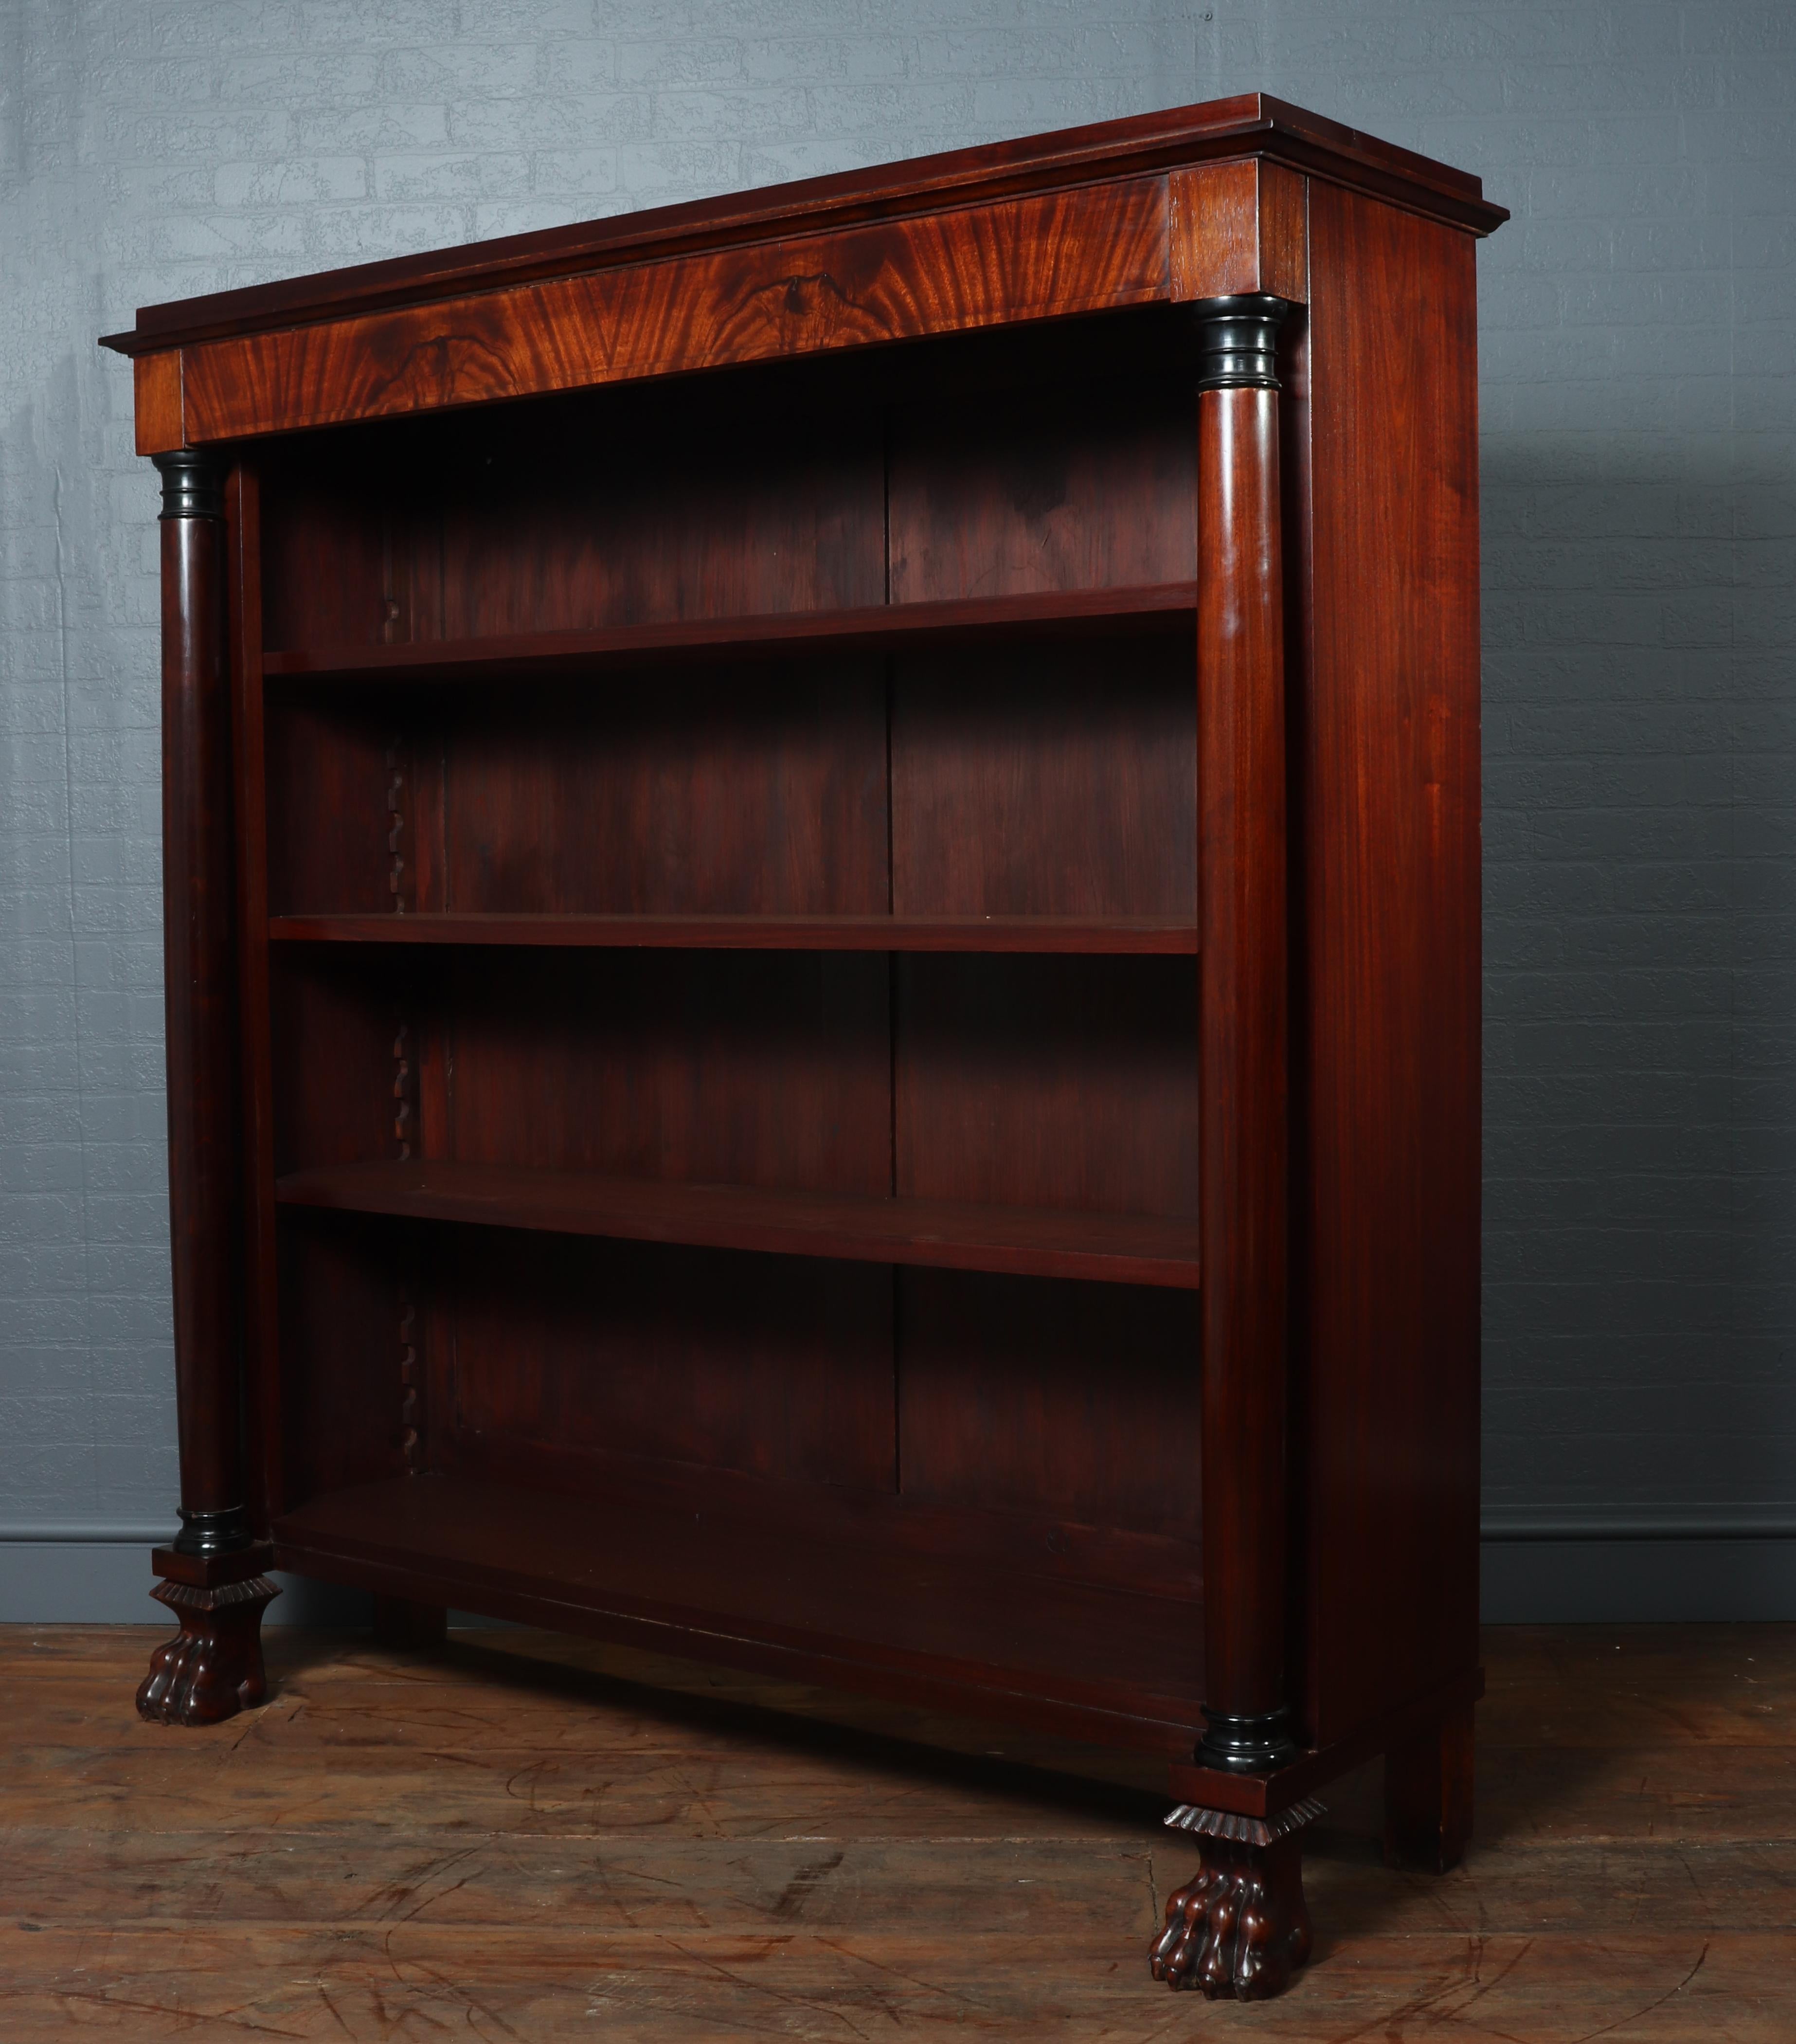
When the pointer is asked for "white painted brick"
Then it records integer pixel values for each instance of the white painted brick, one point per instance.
(575, 121)
(469, 177)
(351, 234)
(574, 171)
(385, 125)
(683, 63)
(354, 24)
(464, 70)
(834, 59)
(491, 222)
(576, 66)
(306, 78)
(756, 112)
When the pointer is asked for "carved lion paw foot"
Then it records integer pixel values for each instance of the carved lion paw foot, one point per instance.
(1240, 1928)
(212, 1668)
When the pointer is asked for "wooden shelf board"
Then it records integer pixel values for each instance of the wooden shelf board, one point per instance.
(1122, 935)
(872, 629)
(748, 1587)
(1032, 1242)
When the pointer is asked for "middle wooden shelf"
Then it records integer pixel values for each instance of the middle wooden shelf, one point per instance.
(1036, 1241)
(1123, 936)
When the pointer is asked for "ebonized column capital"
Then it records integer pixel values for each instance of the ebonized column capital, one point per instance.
(1237, 341)
(193, 483)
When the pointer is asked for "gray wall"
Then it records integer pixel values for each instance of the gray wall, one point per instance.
(1640, 708)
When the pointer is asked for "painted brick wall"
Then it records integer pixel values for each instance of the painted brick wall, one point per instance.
(1640, 506)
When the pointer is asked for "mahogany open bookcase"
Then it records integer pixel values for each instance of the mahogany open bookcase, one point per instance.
(823, 962)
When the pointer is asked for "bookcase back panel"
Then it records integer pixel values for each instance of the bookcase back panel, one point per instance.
(1075, 1400)
(565, 1350)
(325, 531)
(748, 791)
(995, 494)
(676, 507)
(623, 508)
(1048, 1082)
(1059, 458)
(347, 1287)
(1046, 781)
(767, 1069)
(337, 1020)
(333, 802)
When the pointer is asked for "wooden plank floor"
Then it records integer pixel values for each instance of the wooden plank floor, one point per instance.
(550, 1839)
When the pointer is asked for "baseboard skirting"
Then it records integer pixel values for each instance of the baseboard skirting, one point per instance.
(1501, 1524)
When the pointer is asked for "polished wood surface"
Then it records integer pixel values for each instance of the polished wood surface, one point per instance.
(1386, 776)
(771, 926)
(1039, 1241)
(505, 1834)
(1123, 936)
(1244, 1028)
(1238, 229)
(1251, 125)
(1098, 247)
(199, 974)
(1051, 612)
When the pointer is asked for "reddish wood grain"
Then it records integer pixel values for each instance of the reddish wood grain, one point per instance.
(742, 906)
(1179, 137)
(836, 1609)
(344, 1295)
(262, 1418)
(156, 380)
(1048, 1241)
(1021, 1395)
(1094, 246)
(1039, 782)
(1120, 936)
(699, 797)
(1237, 228)
(1244, 1033)
(1033, 1533)
(578, 1359)
(737, 1068)
(200, 982)
(1011, 494)
(1386, 781)
(1057, 1083)
(1026, 616)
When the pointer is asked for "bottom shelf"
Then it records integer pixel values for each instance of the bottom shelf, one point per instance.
(1118, 1667)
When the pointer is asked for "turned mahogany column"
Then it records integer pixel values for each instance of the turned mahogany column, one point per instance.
(212, 1573)
(1241, 1926)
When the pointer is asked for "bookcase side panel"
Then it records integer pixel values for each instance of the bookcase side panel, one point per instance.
(1389, 971)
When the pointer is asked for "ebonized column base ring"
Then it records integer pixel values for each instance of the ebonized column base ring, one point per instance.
(212, 1668)
(1240, 1927)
